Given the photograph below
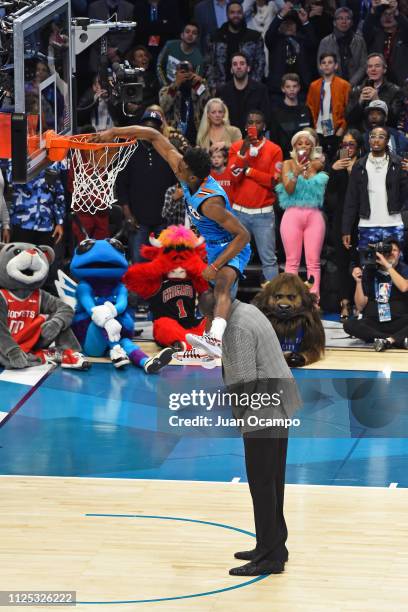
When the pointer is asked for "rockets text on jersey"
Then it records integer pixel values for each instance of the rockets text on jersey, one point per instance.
(20, 311)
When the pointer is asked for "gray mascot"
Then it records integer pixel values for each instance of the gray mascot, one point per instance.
(30, 318)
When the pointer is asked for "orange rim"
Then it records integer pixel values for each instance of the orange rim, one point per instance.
(58, 146)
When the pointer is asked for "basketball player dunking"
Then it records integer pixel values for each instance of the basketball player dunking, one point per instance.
(210, 211)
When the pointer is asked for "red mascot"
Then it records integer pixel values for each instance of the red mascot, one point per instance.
(170, 282)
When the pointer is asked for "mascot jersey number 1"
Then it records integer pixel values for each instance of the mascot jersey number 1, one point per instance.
(103, 321)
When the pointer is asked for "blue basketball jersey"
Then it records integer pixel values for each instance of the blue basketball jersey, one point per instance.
(211, 230)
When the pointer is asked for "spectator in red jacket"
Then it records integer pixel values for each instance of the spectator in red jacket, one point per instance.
(255, 163)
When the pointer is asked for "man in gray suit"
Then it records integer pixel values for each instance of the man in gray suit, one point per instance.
(253, 363)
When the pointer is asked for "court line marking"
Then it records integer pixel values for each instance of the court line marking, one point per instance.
(26, 376)
(26, 397)
(207, 482)
(192, 595)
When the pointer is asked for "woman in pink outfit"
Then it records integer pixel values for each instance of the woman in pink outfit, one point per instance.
(301, 195)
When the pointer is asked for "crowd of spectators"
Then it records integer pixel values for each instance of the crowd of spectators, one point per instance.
(323, 82)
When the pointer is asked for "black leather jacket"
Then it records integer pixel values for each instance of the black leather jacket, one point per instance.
(357, 203)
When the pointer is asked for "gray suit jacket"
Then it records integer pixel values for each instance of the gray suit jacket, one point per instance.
(253, 361)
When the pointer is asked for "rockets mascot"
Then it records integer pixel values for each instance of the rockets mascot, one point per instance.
(32, 319)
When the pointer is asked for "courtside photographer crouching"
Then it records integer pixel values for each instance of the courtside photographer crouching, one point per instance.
(382, 297)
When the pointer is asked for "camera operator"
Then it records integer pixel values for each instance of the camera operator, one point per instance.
(125, 87)
(382, 296)
(184, 100)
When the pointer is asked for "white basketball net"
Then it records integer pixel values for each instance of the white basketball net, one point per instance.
(95, 173)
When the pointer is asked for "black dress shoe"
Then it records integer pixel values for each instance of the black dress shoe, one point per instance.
(263, 568)
(245, 555)
(248, 555)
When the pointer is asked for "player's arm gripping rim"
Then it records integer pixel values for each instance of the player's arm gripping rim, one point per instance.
(159, 142)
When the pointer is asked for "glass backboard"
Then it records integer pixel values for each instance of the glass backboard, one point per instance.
(42, 79)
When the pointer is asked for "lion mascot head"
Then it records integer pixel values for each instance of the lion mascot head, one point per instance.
(292, 310)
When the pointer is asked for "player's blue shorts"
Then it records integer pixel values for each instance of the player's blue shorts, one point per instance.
(239, 262)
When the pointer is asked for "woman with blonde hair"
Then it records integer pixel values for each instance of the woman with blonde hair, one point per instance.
(301, 195)
(215, 130)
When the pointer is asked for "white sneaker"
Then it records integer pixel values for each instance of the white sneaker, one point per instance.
(195, 357)
(118, 356)
(206, 343)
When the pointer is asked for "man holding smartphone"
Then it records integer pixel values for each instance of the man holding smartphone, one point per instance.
(183, 100)
(375, 87)
(183, 50)
(255, 164)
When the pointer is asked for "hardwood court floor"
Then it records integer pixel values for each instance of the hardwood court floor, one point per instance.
(395, 360)
(363, 359)
(347, 545)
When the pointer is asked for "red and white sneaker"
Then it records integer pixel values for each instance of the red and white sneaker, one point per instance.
(74, 360)
(206, 343)
(67, 358)
(195, 357)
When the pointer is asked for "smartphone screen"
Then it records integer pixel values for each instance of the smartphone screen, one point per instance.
(302, 156)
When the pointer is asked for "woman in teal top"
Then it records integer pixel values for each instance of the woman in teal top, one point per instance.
(301, 195)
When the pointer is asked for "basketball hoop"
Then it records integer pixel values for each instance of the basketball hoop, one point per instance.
(95, 165)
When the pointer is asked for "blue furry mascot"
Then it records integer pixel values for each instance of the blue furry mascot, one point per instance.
(102, 318)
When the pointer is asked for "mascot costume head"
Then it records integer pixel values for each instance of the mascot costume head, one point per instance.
(170, 281)
(292, 310)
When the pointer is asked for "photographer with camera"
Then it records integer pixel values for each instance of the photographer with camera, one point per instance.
(184, 100)
(382, 297)
(376, 195)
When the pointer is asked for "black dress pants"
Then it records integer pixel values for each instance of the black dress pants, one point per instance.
(265, 460)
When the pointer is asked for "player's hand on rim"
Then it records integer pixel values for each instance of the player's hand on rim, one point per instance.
(104, 136)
